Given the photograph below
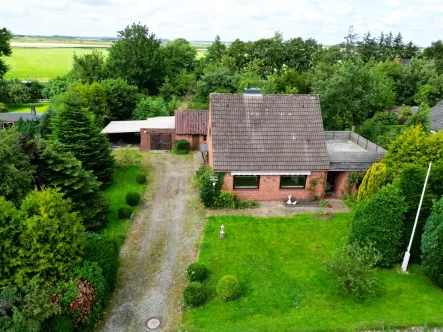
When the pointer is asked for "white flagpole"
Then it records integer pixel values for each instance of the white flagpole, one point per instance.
(404, 266)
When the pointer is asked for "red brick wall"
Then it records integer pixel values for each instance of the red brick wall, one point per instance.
(269, 188)
(341, 184)
(145, 138)
(189, 139)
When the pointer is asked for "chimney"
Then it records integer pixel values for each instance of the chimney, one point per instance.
(252, 91)
(33, 112)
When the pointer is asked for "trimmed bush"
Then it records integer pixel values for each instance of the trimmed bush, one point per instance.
(411, 181)
(3, 108)
(379, 220)
(133, 198)
(226, 199)
(181, 146)
(246, 204)
(228, 288)
(124, 212)
(432, 245)
(194, 294)
(140, 178)
(105, 252)
(208, 192)
(374, 179)
(196, 272)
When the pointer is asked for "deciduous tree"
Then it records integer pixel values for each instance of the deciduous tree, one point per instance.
(136, 57)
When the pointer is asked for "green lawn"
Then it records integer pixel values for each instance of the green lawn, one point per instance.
(26, 108)
(279, 262)
(42, 63)
(124, 182)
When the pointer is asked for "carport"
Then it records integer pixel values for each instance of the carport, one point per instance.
(151, 134)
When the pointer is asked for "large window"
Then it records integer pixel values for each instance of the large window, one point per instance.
(246, 181)
(292, 181)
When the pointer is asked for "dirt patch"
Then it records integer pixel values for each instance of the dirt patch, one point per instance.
(160, 244)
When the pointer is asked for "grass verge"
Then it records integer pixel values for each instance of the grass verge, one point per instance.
(280, 265)
(124, 182)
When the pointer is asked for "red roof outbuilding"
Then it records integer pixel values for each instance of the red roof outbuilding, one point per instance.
(191, 122)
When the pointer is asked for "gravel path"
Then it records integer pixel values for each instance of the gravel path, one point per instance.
(160, 244)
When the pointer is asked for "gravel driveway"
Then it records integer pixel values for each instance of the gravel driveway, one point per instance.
(160, 244)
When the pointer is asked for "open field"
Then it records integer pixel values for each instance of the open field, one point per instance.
(42, 63)
(26, 108)
(280, 265)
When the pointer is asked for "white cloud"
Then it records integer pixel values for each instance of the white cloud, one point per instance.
(326, 20)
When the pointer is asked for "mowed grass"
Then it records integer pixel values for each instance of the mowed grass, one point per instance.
(42, 63)
(124, 182)
(26, 108)
(280, 265)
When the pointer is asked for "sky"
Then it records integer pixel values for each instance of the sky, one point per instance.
(324, 20)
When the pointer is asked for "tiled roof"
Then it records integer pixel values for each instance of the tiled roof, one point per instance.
(267, 133)
(191, 122)
(437, 117)
(14, 117)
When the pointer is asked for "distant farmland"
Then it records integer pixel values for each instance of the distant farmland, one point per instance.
(42, 63)
(46, 58)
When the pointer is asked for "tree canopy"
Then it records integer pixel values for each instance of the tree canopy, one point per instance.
(5, 49)
(136, 57)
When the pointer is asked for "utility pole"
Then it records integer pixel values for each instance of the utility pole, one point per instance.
(404, 266)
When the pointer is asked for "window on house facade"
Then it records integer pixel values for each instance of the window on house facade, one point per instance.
(292, 181)
(246, 181)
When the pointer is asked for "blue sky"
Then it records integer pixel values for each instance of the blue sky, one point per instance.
(325, 20)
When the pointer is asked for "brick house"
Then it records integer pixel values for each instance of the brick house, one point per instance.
(272, 146)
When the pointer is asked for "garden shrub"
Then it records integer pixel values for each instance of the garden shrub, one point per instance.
(374, 179)
(379, 220)
(196, 272)
(208, 192)
(225, 199)
(124, 212)
(432, 245)
(228, 288)
(194, 294)
(3, 108)
(181, 146)
(354, 269)
(133, 198)
(411, 181)
(246, 204)
(140, 178)
(82, 296)
(105, 252)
